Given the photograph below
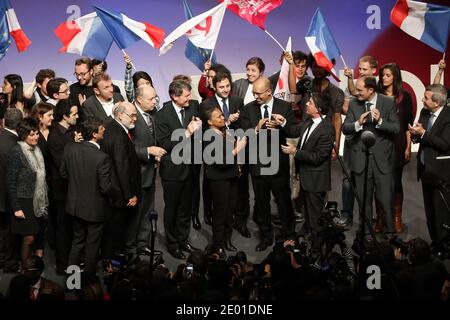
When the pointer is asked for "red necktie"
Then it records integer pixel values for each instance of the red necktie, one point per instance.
(129, 135)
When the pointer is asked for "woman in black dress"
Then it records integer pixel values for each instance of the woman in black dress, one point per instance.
(222, 171)
(26, 185)
(43, 114)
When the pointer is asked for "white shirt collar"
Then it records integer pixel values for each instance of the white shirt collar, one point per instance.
(12, 131)
(108, 103)
(269, 104)
(318, 120)
(374, 100)
(95, 144)
(437, 113)
(220, 99)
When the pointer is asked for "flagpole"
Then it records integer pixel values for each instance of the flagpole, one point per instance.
(443, 57)
(343, 61)
(123, 51)
(276, 41)
(212, 52)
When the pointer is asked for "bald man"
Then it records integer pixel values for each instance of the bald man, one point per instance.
(144, 140)
(256, 116)
(117, 144)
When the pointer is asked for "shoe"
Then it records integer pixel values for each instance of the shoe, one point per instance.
(177, 254)
(229, 246)
(208, 219)
(344, 222)
(196, 222)
(144, 251)
(263, 245)
(243, 230)
(188, 248)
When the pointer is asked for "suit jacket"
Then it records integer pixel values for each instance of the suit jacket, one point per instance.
(119, 147)
(167, 121)
(240, 88)
(93, 108)
(89, 172)
(251, 115)
(314, 158)
(7, 141)
(143, 138)
(235, 104)
(435, 142)
(383, 150)
(58, 138)
(225, 169)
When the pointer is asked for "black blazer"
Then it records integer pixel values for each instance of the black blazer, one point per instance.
(235, 104)
(250, 116)
(93, 108)
(240, 88)
(383, 150)
(7, 141)
(167, 121)
(435, 143)
(314, 159)
(119, 147)
(88, 171)
(143, 138)
(227, 168)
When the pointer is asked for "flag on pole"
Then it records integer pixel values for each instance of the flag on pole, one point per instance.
(86, 36)
(282, 89)
(201, 30)
(10, 25)
(429, 23)
(255, 12)
(321, 43)
(198, 56)
(126, 31)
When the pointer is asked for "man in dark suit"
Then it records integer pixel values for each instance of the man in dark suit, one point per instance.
(313, 156)
(100, 105)
(149, 154)
(378, 114)
(274, 176)
(230, 106)
(8, 139)
(117, 144)
(180, 115)
(90, 184)
(61, 134)
(433, 133)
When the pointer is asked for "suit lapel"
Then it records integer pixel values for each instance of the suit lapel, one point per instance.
(174, 114)
(439, 119)
(100, 107)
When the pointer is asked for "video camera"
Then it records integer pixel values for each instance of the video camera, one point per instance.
(304, 85)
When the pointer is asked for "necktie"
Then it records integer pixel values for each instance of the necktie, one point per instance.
(266, 112)
(306, 135)
(368, 105)
(429, 125)
(182, 117)
(226, 112)
(129, 135)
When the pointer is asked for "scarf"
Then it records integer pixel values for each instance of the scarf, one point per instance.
(36, 162)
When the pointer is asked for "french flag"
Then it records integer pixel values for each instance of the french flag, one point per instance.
(20, 38)
(321, 43)
(426, 22)
(86, 36)
(126, 31)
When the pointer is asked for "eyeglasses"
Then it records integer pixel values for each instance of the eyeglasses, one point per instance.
(65, 91)
(259, 94)
(131, 116)
(78, 75)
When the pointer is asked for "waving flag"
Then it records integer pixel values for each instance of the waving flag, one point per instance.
(201, 30)
(426, 22)
(9, 20)
(126, 31)
(255, 12)
(282, 89)
(321, 43)
(198, 56)
(86, 36)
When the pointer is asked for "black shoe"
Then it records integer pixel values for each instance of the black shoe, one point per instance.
(243, 230)
(177, 254)
(196, 222)
(144, 251)
(229, 246)
(208, 219)
(263, 245)
(188, 248)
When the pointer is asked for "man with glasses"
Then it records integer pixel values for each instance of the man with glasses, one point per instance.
(57, 89)
(118, 145)
(100, 105)
(83, 89)
(258, 115)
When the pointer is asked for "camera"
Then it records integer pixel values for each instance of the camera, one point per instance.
(188, 271)
(304, 85)
(396, 242)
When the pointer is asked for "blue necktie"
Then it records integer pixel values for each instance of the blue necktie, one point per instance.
(226, 112)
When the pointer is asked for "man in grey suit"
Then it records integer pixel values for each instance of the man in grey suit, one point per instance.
(100, 105)
(376, 113)
(144, 140)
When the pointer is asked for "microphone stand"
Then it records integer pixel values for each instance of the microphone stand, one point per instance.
(153, 217)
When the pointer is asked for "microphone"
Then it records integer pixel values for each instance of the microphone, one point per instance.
(368, 138)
